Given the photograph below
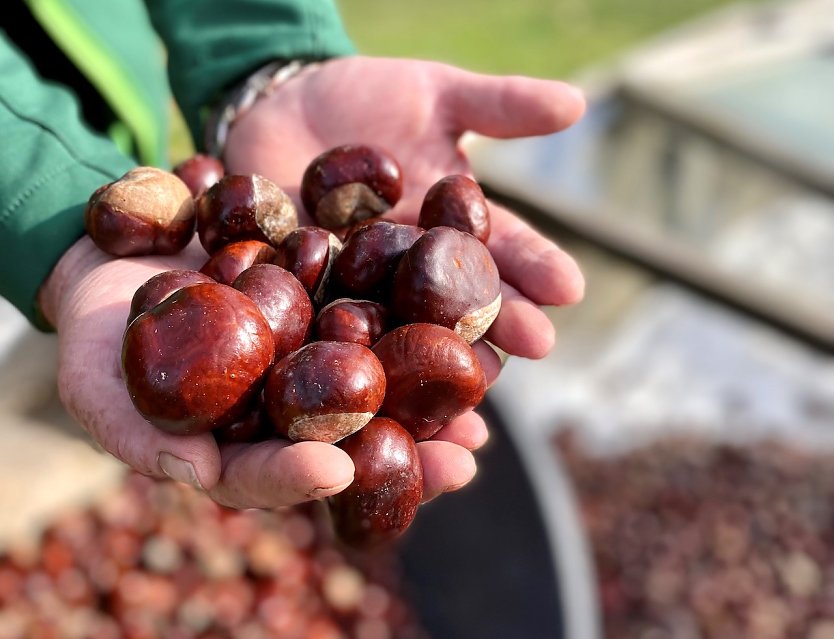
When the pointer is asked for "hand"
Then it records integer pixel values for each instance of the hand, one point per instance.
(87, 298)
(418, 111)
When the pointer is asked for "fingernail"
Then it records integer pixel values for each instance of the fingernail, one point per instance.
(178, 469)
(319, 493)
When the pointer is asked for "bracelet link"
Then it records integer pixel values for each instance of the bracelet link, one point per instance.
(258, 85)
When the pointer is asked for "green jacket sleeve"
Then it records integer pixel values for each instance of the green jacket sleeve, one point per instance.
(51, 163)
(214, 43)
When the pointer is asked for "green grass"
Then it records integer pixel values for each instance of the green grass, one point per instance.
(547, 38)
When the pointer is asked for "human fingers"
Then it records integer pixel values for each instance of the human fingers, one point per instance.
(507, 106)
(521, 327)
(446, 467)
(275, 473)
(469, 430)
(532, 263)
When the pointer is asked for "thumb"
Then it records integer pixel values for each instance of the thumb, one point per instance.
(508, 106)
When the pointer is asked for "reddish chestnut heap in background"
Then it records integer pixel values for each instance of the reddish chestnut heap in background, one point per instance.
(287, 333)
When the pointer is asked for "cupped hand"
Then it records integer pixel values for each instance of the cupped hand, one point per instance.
(87, 298)
(418, 111)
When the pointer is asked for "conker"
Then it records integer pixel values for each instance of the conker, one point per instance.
(365, 267)
(432, 376)
(231, 260)
(308, 253)
(350, 183)
(387, 487)
(195, 362)
(244, 207)
(146, 211)
(448, 278)
(200, 172)
(159, 287)
(253, 426)
(345, 320)
(282, 301)
(324, 391)
(459, 202)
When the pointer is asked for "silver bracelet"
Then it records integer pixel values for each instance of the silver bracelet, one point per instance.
(258, 85)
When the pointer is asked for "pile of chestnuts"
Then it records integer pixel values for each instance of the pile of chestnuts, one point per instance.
(355, 331)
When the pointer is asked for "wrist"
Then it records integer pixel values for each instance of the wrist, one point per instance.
(240, 99)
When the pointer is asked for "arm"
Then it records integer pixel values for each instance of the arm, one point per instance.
(50, 164)
(212, 44)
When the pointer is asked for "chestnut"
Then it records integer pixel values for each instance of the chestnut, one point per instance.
(244, 207)
(146, 211)
(195, 362)
(200, 172)
(350, 183)
(324, 391)
(459, 202)
(365, 267)
(448, 278)
(432, 376)
(282, 301)
(231, 260)
(159, 287)
(345, 320)
(308, 253)
(253, 426)
(387, 487)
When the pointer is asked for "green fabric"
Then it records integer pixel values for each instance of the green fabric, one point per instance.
(50, 164)
(50, 161)
(214, 43)
(122, 63)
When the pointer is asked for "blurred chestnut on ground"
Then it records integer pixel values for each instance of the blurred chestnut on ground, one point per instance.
(308, 253)
(231, 260)
(345, 320)
(146, 211)
(200, 172)
(244, 207)
(283, 302)
(387, 487)
(324, 391)
(160, 287)
(432, 376)
(459, 202)
(350, 183)
(448, 278)
(195, 362)
(365, 267)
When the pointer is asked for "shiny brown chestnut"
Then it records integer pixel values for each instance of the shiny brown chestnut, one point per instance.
(253, 426)
(448, 278)
(459, 202)
(282, 301)
(324, 391)
(432, 376)
(160, 287)
(365, 267)
(200, 172)
(350, 183)
(195, 362)
(387, 487)
(244, 207)
(308, 253)
(346, 320)
(146, 211)
(231, 260)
